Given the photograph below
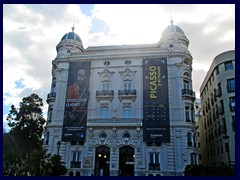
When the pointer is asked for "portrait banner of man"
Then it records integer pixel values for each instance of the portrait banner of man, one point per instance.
(76, 104)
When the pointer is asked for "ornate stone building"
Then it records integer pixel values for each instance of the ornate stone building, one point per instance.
(123, 110)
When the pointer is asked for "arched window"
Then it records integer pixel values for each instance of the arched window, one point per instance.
(127, 85)
(186, 75)
(105, 85)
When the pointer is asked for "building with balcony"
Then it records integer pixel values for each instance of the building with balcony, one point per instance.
(124, 110)
(216, 125)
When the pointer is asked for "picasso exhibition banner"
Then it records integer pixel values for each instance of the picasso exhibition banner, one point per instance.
(76, 103)
(156, 126)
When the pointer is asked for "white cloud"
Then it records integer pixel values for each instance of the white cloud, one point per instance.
(209, 29)
(227, 36)
(31, 33)
(132, 24)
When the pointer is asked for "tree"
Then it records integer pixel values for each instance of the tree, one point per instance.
(27, 123)
(23, 153)
(25, 136)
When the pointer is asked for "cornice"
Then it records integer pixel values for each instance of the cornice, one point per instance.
(122, 57)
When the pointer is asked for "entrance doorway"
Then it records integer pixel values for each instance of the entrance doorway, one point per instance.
(102, 161)
(126, 161)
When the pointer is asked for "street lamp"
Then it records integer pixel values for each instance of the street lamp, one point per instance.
(58, 146)
(226, 139)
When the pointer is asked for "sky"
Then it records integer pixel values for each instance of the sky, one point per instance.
(31, 33)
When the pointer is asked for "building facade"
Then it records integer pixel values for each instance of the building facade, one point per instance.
(198, 114)
(123, 110)
(216, 125)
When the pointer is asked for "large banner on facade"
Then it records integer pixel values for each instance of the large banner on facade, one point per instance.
(76, 104)
(156, 126)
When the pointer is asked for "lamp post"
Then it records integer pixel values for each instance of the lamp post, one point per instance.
(58, 146)
(226, 139)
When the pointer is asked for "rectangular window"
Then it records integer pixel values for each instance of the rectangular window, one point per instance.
(232, 103)
(219, 90)
(50, 109)
(215, 96)
(186, 84)
(104, 112)
(187, 113)
(192, 115)
(154, 161)
(189, 139)
(76, 156)
(193, 158)
(76, 163)
(127, 112)
(231, 85)
(212, 102)
(228, 66)
(151, 158)
(221, 108)
(217, 70)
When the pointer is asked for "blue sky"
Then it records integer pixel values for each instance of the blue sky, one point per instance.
(31, 33)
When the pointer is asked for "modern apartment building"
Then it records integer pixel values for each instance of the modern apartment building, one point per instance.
(216, 124)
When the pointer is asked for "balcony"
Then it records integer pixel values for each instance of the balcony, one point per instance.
(104, 94)
(75, 164)
(127, 94)
(188, 93)
(115, 122)
(154, 166)
(51, 97)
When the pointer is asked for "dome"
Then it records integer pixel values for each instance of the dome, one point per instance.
(72, 36)
(172, 29)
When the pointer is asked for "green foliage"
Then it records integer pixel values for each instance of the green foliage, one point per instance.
(203, 170)
(23, 154)
(27, 123)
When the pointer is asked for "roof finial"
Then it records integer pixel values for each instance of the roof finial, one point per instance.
(171, 21)
(73, 28)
